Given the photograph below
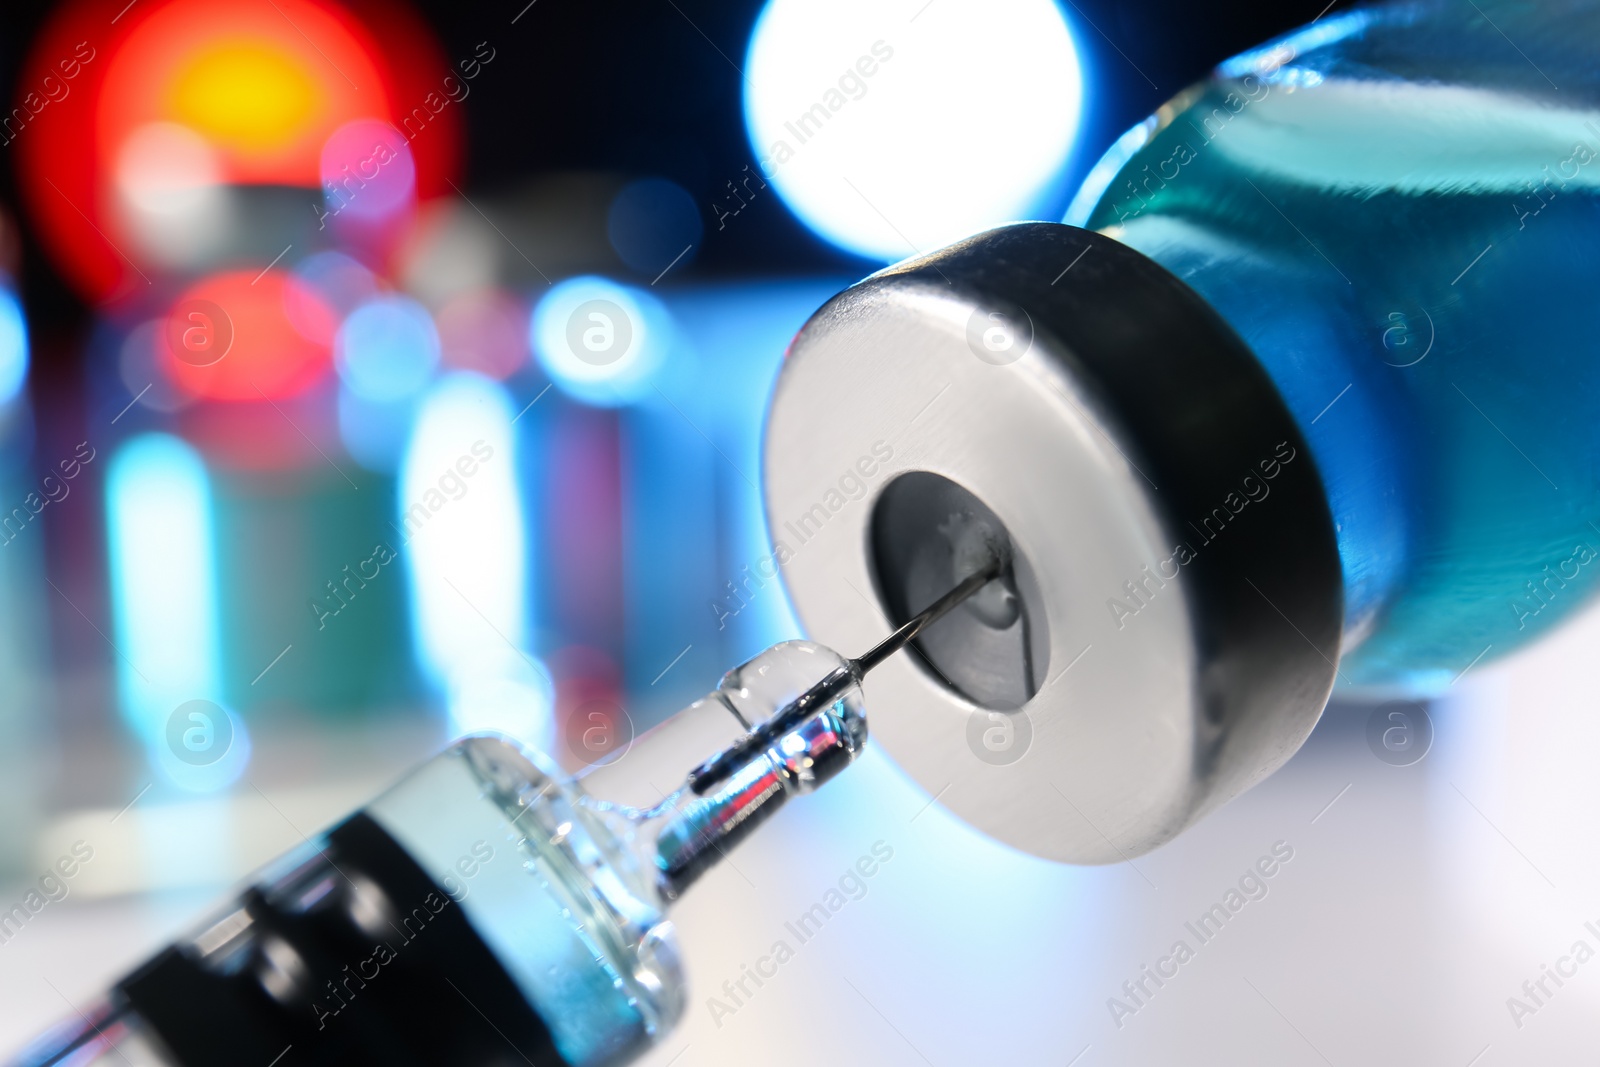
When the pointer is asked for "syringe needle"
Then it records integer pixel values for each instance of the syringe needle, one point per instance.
(716, 770)
(932, 613)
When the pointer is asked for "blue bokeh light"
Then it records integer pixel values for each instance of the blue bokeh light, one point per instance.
(654, 225)
(161, 533)
(387, 349)
(340, 280)
(13, 346)
(375, 432)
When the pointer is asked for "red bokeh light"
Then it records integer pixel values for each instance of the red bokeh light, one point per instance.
(273, 334)
(325, 64)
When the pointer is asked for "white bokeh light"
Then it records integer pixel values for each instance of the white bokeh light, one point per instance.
(599, 341)
(171, 195)
(463, 530)
(893, 128)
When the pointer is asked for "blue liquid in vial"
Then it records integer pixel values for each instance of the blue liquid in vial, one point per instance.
(1396, 209)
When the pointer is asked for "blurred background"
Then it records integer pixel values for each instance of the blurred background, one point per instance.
(372, 373)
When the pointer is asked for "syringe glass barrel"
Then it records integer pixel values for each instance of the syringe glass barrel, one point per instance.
(487, 909)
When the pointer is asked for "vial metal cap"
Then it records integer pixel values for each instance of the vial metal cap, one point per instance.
(1178, 580)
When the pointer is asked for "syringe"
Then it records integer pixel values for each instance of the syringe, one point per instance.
(489, 909)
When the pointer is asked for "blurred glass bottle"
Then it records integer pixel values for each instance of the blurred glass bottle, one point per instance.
(300, 529)
(27, 493)
(1395, 207)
